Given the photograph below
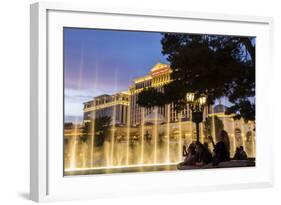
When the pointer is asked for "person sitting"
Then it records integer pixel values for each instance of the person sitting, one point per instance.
(243, 154)
(240, 154)
(221, 148)
(225, 139)
(190, 158)
(237, 153)
(203, 155)
(184, 151)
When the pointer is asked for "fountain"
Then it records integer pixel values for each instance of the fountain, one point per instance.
(142, 137)
(155, 128)
(180, 138)
(128, 134)
(150, 144)
(92, 145)
(73, 145)
(168, 135)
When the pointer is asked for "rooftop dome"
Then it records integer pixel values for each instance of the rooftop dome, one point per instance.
(220, 108)
(154, 117)
(158, 66)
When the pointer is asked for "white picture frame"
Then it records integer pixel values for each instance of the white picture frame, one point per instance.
(47, 182)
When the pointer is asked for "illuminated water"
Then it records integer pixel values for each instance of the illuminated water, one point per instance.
(135, 151)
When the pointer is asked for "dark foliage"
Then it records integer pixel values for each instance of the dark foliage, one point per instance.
(102, 125)
(213, 65)
(209, 127)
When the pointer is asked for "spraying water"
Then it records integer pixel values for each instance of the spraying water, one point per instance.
(155, 134)
(92, 145)
(142, 138)
(168, 134)
(73, 148)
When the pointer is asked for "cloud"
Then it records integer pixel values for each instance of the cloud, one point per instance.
(74, 99)
(73, 118)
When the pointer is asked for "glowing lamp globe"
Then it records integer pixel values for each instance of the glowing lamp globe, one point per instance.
(189, 97)
(202, 100)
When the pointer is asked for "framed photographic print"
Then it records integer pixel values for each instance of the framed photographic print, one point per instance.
(127, 102)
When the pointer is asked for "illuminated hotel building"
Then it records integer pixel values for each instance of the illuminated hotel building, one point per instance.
(124, 104)
(116, 106)
(158, 76)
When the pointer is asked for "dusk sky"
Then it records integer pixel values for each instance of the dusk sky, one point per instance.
(104, 62)
(100, 62)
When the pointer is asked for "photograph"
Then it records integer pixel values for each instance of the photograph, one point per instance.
(143, 101)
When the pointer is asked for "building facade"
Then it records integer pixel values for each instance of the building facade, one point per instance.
(114, 106)
(123, 106)
(158, 76)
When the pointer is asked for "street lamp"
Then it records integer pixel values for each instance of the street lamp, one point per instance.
(190, 97)
(197, 107)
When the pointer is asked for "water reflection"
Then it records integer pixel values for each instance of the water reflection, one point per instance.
(149, 146)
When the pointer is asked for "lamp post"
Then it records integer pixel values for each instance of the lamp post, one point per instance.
(197, 107)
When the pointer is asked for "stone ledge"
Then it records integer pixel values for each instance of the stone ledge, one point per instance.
(226, 164)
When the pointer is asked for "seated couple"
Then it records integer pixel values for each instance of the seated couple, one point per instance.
(198, 154)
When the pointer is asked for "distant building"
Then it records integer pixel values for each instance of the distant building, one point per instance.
(115, 106)
(158, 76)
(124, 104)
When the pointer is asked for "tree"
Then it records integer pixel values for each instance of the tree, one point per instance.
(213, 125)
(87, 130)
(101, 129)
(207, 64)
(102, 125)
(155, 98)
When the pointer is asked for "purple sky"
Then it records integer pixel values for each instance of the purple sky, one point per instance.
(104, 62)
(100, 62)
